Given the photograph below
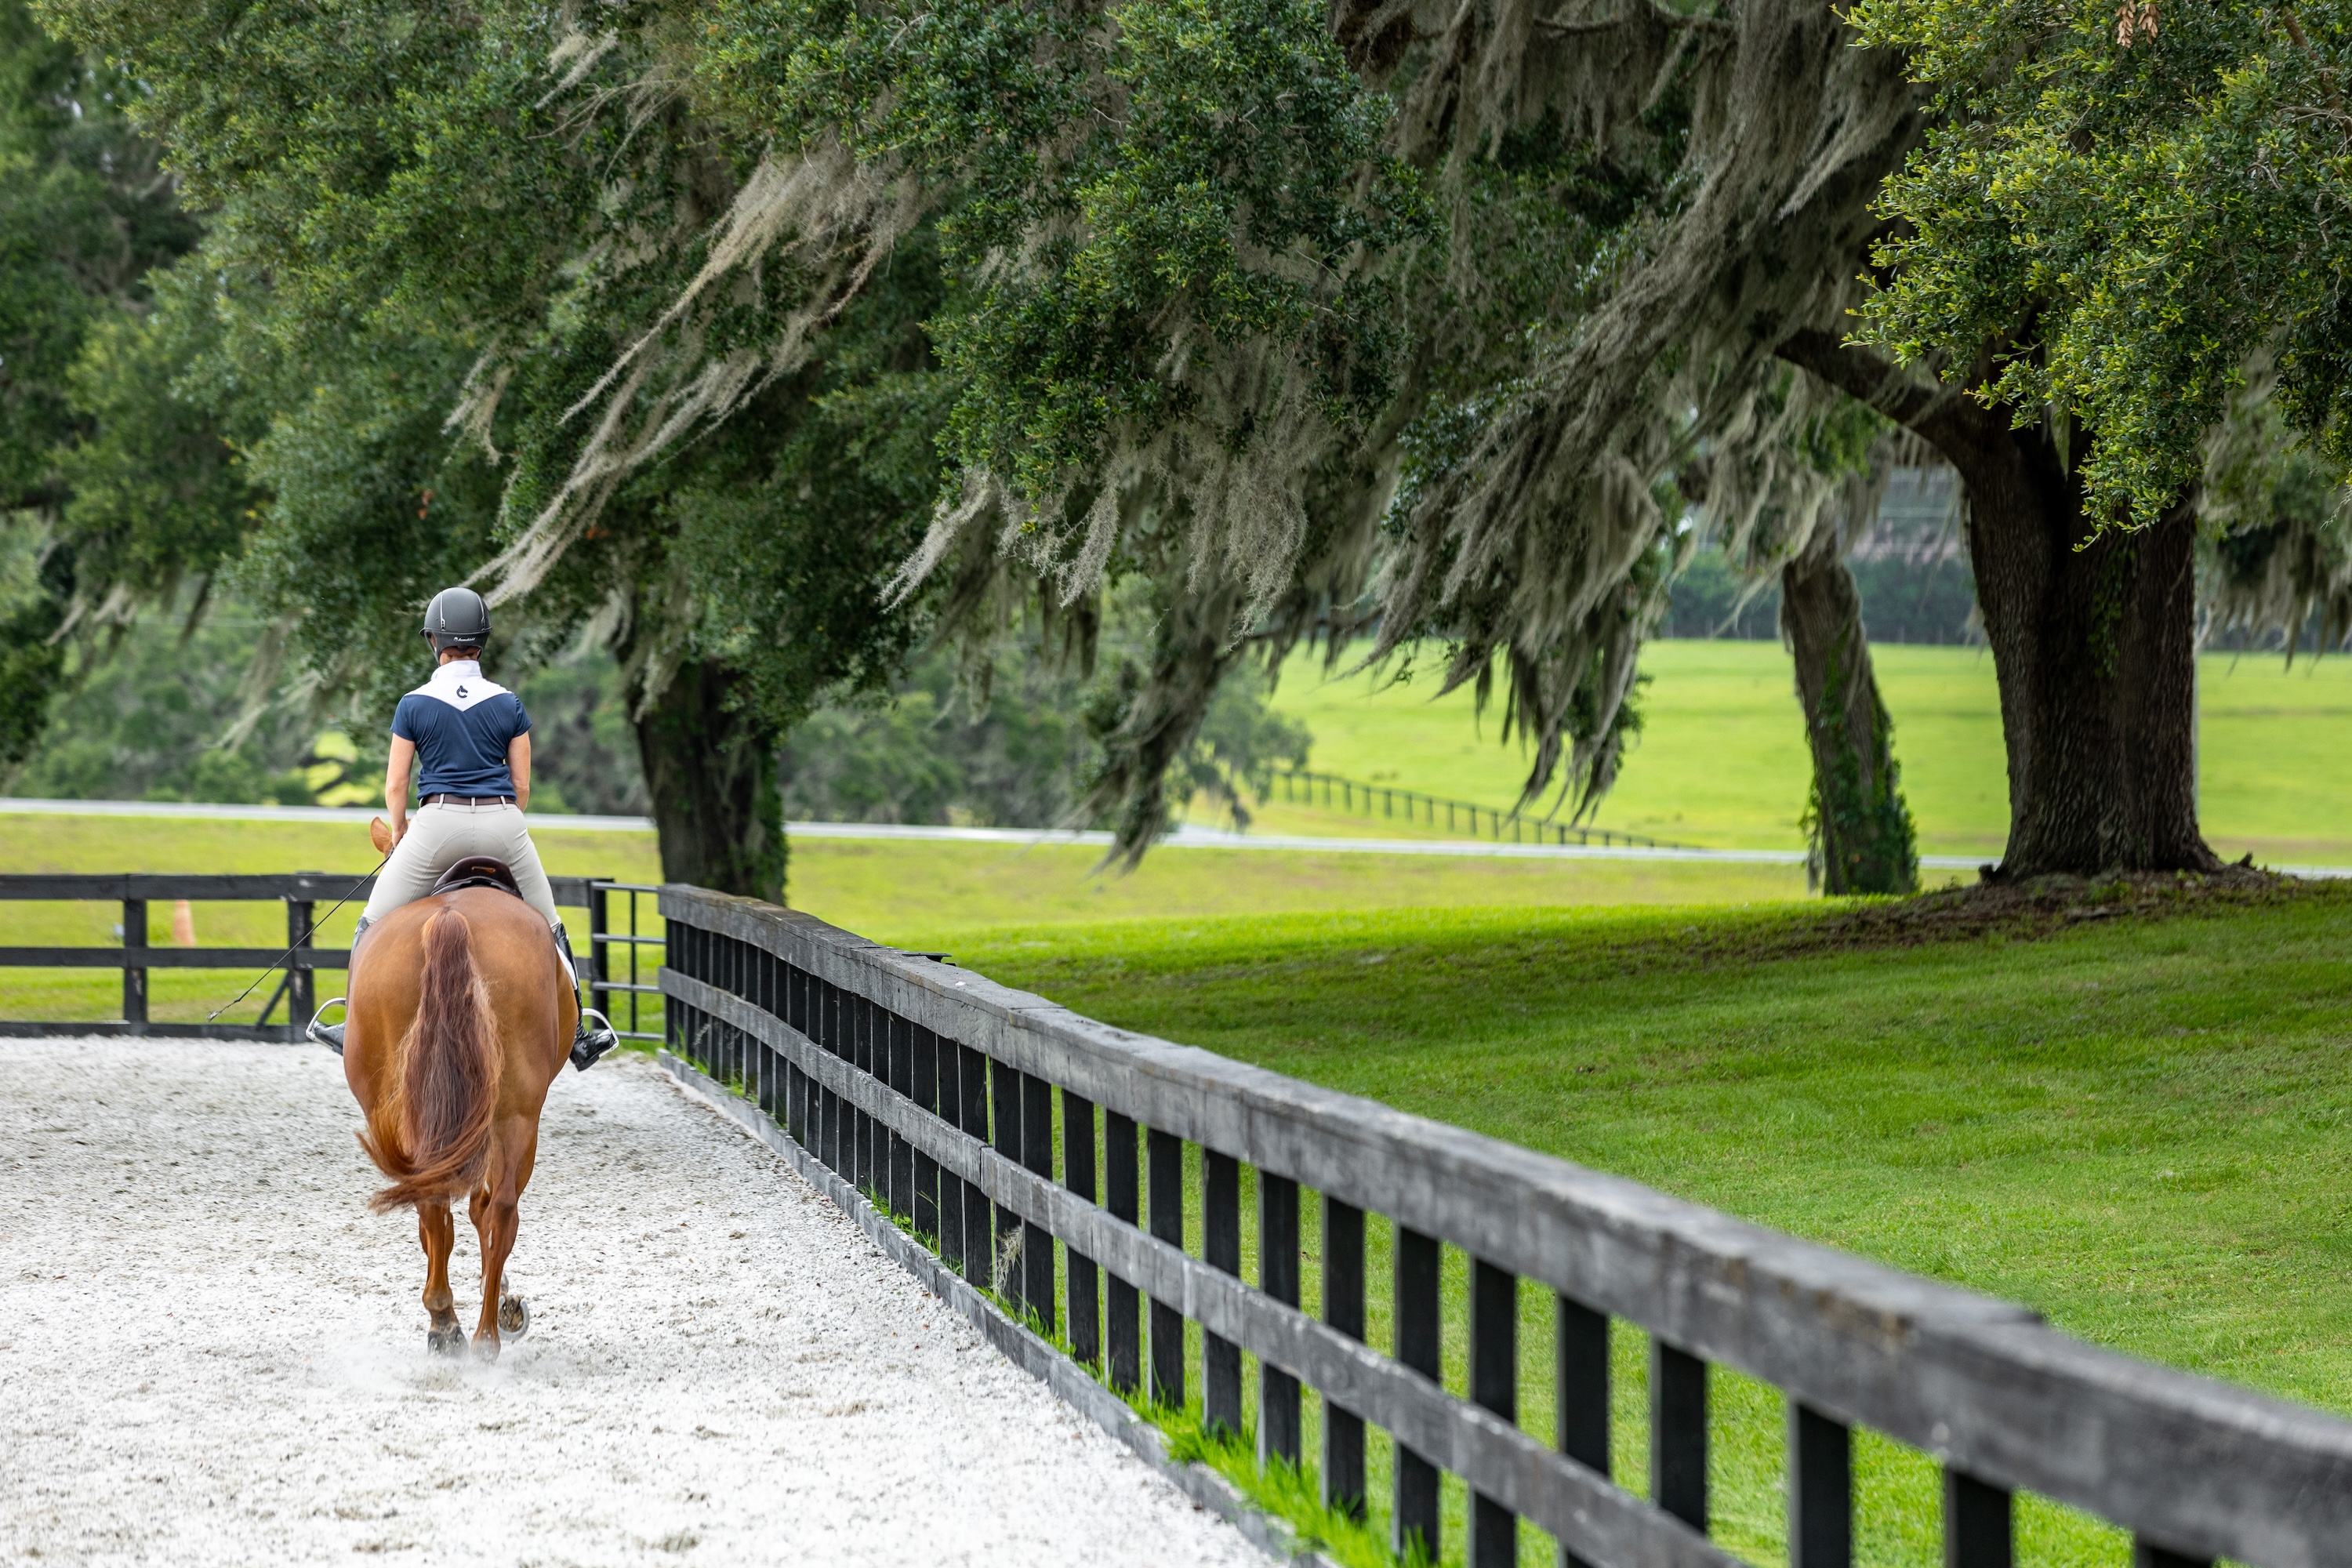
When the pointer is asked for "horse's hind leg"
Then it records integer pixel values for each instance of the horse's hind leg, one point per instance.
(438, 1232)
(513, 1149)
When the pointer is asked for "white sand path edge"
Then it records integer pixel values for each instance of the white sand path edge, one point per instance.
(211, 1353)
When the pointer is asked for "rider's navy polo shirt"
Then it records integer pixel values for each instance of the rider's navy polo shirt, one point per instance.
(461, 725)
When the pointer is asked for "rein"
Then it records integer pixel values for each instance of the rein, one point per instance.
(292, 948)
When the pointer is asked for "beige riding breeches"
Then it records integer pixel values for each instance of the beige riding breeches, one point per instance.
(439, 836)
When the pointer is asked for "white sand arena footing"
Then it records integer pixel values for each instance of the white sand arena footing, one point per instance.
(210, 1352)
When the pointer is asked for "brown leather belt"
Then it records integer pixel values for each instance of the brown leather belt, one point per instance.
(467, 800)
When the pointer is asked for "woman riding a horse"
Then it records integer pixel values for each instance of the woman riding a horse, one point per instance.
(473, 738)
(464, 1003)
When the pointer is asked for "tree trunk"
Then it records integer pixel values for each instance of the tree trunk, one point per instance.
(2095, 647)
(2096, 653)
(710, 771)
(1862, 840)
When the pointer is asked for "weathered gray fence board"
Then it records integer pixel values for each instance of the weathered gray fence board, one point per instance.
(2198, 1465)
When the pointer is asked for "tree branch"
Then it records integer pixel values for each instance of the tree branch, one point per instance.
(1953, 423)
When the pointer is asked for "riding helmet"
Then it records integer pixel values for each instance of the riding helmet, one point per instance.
(456, 617)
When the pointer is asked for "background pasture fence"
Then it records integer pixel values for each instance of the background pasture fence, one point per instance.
(788, 1008)
(1299, 786)
(304, 894)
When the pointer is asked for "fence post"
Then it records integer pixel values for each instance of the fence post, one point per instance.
(794, 1013)
(672, 1032)
(1417, 1276)
(906, 1190)
(2146, 1553)
(925, 1072)
(951, 1107)
(1121, 1182)
(600, 924)
(1221, 1229)
(302, 985)
(1494, 1387)
(834, 1134)
(1977, 1533)
(841, 1128)
(1821, 1490)
(635, 978)
(971, 1083)
(134, 981)
(861, 1044)
(770, 985)
(1078, 1175)
(1977, 1529)
(1678, 1432)
(1005, 1100)
(1277, 1276)
(1037, 1155)
(1164, 1157)
(1343, 1309)
(1581, 1394)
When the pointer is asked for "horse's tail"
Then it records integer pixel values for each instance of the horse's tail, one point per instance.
(432, 1136)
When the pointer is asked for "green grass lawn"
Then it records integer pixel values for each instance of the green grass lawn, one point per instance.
(1721, 761)
(2142, 1129)
(862, 885)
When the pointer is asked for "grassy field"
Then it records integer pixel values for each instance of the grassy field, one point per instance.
(864, 885)
(2138, 1128)
(1721, 761)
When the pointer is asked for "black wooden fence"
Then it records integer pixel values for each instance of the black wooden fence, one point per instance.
(303, 892)
(936, 1092)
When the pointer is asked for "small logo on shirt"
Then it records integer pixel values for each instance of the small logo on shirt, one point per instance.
(463, 692)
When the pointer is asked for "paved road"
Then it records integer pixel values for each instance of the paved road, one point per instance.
(210, 1352)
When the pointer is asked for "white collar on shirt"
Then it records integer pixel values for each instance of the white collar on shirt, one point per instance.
(460, 684)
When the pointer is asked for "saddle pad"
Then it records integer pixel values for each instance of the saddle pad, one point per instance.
(478, 872)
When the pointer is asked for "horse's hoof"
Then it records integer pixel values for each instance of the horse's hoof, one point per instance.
(449, 1341)
(485, 1348)
(514, 1317)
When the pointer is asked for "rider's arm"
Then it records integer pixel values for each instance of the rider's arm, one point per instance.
(395, 784)
(518, 762)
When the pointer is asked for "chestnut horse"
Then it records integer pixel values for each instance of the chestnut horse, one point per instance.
(460, 1016)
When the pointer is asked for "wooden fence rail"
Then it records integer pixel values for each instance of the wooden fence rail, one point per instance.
(936, 1092)
(303, 892)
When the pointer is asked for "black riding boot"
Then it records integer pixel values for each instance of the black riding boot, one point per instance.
(588, 1041)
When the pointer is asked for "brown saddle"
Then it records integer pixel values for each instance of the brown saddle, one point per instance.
(478, 872)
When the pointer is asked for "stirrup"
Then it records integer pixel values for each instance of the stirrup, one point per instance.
(330, 1035)
(588, 1044)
